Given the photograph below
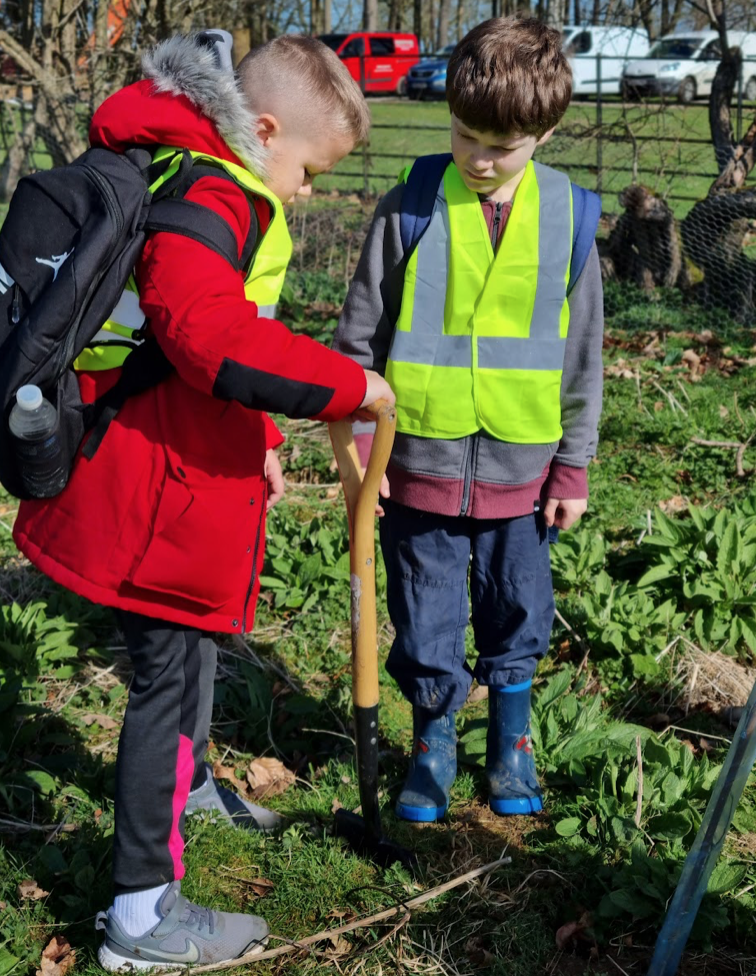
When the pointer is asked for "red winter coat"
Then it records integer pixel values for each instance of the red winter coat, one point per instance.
(168, 518)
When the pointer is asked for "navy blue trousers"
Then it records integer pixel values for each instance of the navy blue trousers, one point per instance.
(428, 561)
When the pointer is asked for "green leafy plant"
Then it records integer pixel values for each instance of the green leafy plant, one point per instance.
(706, 564)
(625, 627)
(576, 560)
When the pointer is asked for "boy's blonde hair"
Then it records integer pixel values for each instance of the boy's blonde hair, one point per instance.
(509, 76)
(307, 75)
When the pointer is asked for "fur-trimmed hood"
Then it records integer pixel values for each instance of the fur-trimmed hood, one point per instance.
(181, 66)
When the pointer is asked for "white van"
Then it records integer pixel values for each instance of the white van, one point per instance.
(616, 45)
(684, 65)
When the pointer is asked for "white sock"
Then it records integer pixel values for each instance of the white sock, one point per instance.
(137, 911)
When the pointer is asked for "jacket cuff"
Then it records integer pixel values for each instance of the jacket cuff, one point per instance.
(348, 393)
(273, 436)
(564, 482)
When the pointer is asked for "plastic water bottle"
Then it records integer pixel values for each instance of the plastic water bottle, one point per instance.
(33, 423)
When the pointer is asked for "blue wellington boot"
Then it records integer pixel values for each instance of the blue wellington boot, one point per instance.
(433, 768)
(510, 767)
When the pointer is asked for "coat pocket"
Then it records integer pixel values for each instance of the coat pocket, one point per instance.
(198, 548)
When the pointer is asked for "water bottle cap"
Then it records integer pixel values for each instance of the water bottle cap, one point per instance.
(29, 397)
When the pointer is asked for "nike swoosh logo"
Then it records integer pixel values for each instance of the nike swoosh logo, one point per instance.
(190, 954)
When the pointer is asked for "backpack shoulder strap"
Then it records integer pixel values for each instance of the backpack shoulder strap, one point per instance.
(586, 211)
(179, 216)
(421, 187)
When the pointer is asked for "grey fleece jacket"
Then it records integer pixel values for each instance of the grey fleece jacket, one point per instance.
(477, 475)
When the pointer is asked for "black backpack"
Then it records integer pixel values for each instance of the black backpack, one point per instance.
(72, 238)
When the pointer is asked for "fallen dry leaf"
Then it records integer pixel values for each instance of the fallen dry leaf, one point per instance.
(339, 946)
(260, 886)
(336, 805)
(57, 957)
(228, 773)
(572, 931)
(30, 889)
(674, 504)
(267, 776)
(104, 721)
(566, 933)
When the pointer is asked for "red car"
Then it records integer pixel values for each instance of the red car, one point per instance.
(378, 61)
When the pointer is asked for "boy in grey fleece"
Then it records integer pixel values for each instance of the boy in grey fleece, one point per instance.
(491, 456)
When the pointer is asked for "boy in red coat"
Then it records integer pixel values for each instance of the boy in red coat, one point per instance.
(166, 522)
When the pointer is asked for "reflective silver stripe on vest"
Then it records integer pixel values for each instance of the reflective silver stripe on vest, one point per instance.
(426, 344)
(267, 311)
(554, 236)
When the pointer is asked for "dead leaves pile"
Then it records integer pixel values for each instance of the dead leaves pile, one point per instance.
(263, 777)
(705, 352)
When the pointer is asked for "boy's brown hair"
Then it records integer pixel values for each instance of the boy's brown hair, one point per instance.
(509, 76)
(304, 69)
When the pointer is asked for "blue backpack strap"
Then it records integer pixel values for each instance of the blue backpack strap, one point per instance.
(586, 210)
(419, 195)
(421, 186)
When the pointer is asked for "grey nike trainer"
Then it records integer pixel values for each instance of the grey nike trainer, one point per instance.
(187, 935)
(224, 804)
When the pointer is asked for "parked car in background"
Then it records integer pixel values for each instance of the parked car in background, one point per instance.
(378, 61)
(683, 66)
(617, 46)
(428, 77)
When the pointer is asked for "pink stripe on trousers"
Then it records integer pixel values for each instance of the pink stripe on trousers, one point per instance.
(184, 776)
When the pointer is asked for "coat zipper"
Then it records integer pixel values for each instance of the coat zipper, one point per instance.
(467, 476)
(253, 576)
(496, 222)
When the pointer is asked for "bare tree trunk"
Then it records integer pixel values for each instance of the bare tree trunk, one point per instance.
(417, 19)
(327, 16)
(317, 17)
(442, 29)
(555, 14)
(17, 157)
(370, 15)
(396, 15)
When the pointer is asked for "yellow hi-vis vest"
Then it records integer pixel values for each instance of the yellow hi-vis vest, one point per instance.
(262, 285)
(479, 343)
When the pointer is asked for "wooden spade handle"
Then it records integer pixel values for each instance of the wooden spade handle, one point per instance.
(361, 491)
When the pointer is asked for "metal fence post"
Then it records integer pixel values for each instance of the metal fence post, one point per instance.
(739, 126)
(365, 165)
(599, 123)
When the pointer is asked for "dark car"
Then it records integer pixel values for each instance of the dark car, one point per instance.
(427, 79)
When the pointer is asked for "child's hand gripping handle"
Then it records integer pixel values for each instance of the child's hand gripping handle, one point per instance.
(361, 496)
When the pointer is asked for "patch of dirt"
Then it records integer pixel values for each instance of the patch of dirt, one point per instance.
(478, 820)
